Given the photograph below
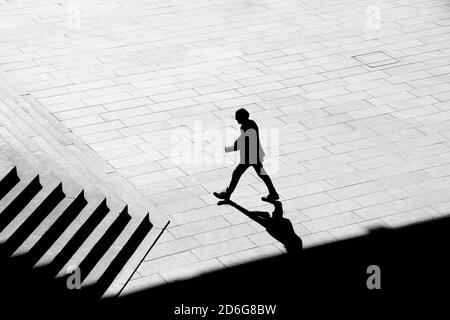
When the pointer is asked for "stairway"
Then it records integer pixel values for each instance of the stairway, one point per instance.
(62, 207)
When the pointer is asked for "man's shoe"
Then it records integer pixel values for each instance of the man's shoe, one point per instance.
(222, 195)
(271, 197)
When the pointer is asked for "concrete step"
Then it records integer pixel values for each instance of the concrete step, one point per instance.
(47, 189)
(62, 134)
(52, 250)
(8, 179)
(8, 118)
(84, 249)
(64, 228)
(137, 205)
(74, 207)
(29, 163)
(43, 227)
(25, 151)
(5, 166)
(92, 194)
(120, 242)
(24, 223)
(76, 159)
(118, 186)
(10, 145)
(127, 271)
(83, 240)
(101, 168)
(51, 237)
(103, 245)
(39, 127)
(19, 196)
(17, 189)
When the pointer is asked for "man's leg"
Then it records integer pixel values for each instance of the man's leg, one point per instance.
(273, 194)
(237, 174)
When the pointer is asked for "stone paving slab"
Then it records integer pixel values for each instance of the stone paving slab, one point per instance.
(357, 146)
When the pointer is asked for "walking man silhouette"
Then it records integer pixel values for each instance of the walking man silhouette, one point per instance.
(251, 155)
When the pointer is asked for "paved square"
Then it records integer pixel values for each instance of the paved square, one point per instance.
(357, 147)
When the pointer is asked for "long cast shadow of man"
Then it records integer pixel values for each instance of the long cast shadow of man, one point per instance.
(277, 226)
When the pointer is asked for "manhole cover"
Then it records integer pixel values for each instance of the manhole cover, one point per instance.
(376, 59)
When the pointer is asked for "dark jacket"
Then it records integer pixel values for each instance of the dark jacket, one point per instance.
(249, 145)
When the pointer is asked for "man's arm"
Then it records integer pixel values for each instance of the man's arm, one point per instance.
(230, 149)
(235, 145)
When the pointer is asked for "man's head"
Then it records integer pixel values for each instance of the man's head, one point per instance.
(242, 116)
